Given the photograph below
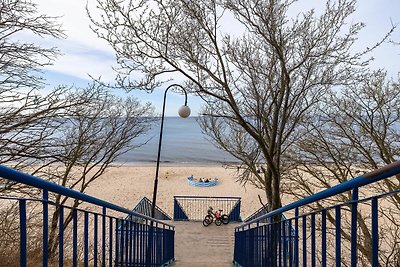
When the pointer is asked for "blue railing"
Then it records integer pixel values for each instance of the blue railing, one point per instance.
(144, 207)
(146, 243)
(194, 208)
(258, 242)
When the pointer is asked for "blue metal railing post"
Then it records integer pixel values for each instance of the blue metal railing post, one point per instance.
(304, 231)
(375, 234)
(86, 239)
(61, 237)
(354, 212)
(323, 238)
(45, 227)
(296, 240)
(313, 241)
(103, 239)
(338, 249)
(22, 232)
(110, 249)
(95, 240)
(75, 238)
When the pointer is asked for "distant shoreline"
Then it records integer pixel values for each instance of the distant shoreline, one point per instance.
(172, 164)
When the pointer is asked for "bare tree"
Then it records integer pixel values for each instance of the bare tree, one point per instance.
(91, 139)
(355, 131)
(23, 108)
(257, 82)
(21, 62)
(68, 136)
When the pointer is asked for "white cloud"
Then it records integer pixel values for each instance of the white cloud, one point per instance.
(83, 52)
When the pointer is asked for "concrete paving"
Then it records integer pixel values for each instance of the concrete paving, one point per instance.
(199, 246)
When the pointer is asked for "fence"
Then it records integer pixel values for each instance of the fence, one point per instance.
(287, 231)
(194, 208)
(95, 238)
(258, 242)
(144, 207)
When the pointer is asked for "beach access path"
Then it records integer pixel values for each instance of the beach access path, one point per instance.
(199, 246)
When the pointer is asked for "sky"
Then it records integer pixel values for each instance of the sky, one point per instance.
(83, 54)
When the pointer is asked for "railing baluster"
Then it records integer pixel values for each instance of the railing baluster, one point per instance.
(313, 246)
(22, 233)
(126, 224)
(338, 250)
(285, 239)
(375, 234)
(75, 238)
(291, 240)
(95, 240)
(110, 247)
(130, 241)
(323, 238)
(296, 239)
(118, 239)
(354, 228)
(86, 239)
(61, 237)
(103, 239)
(279, 240)
(304, 221)
(45, 228)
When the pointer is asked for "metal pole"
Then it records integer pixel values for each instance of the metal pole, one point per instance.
(153, 204)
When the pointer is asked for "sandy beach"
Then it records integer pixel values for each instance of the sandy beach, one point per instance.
(126, 185)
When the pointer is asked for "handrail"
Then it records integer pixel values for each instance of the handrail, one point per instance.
(15, 175)
(365, 179)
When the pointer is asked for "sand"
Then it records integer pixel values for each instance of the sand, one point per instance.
(126, 185)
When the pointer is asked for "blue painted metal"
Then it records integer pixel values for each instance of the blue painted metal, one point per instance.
(131, 249)
(75, 239)
(184, 207)
(375, 234)
(110, 236)
(45, 227)
(354, 196)
(323, 238)
(296, 240)
(338, 236)
(61, 238)
(304, 231)
(243, 256)
(144, 207)
(95, 240)
(86, 240)
(292, 237)
(103, 237)
(313, 241)
(179, 213)
(22, 233)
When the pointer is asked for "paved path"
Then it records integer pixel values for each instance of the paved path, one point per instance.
(198, 246)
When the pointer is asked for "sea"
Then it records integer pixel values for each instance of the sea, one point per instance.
(183, 143)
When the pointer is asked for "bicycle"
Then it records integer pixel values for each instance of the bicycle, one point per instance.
(216, 217)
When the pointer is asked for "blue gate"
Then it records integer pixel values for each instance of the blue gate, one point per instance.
(194, 208)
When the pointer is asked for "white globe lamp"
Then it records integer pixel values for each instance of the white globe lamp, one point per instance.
(184, 111)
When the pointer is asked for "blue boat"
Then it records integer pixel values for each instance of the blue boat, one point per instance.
(201, 182)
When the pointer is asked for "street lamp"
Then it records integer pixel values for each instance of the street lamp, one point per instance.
(184, 112)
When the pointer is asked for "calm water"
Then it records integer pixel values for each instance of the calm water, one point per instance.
(183, 143)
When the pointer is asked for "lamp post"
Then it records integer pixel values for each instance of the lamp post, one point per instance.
(184, 112)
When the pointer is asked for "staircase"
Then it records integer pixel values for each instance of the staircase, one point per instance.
(198, 246)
